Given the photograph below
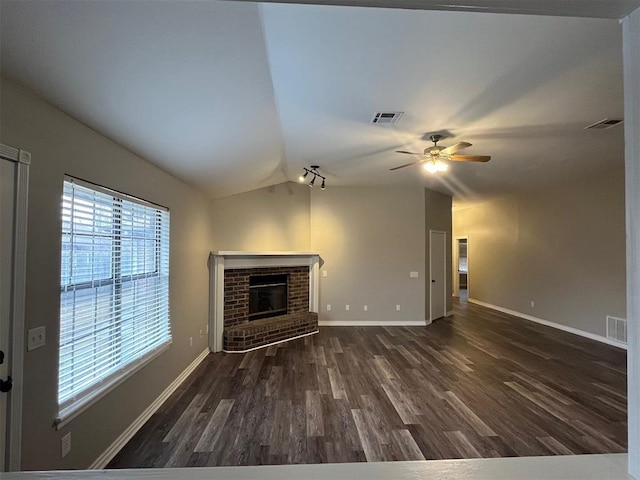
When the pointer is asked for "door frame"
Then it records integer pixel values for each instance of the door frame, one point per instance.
(431, 270)
(13, 424)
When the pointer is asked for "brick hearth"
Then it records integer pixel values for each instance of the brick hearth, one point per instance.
(269, 330)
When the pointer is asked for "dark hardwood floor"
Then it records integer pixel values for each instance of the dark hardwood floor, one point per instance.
(480, 384)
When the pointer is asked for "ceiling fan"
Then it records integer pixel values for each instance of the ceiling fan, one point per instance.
(434, 156)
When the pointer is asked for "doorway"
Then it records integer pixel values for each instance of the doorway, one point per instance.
(461, 268)
(438, 274)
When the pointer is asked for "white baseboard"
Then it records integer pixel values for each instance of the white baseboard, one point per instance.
(269, 344)
(373, 323)
(575, 331)
(113, 449)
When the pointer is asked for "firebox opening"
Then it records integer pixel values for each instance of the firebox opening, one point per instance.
(268, 296)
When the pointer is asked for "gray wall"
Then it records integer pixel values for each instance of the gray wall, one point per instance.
(562, 247)
(60, 145)
(438, 217)
(271, 218)
(369, 240)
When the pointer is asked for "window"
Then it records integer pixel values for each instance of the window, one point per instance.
(114, 290)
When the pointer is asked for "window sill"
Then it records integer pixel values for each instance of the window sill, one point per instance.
(72, 411)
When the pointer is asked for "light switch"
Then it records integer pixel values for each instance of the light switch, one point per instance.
(324, 273)
(36, 338)
(413, 274)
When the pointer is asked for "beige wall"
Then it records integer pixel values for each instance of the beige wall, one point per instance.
(369, 240)
(59, 145)
(271, 218)
(438, 217)
(562, 248)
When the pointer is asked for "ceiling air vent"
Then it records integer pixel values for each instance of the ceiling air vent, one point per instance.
(386, 117)
(604, 124)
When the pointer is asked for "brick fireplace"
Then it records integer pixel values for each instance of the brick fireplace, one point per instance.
(232, 328)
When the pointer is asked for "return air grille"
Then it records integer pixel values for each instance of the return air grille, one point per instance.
(386, 117)
(617, 329)
(604, 124)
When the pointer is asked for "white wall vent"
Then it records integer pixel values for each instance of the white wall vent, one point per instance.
(617, 329)
(604, 124)
(386, 117)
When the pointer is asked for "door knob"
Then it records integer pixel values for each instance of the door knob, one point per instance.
(433, 281)
(6, 385)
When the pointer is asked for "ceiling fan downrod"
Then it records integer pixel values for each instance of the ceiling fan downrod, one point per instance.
(435, 139)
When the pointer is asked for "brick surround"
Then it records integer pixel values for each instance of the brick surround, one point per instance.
(241, 334)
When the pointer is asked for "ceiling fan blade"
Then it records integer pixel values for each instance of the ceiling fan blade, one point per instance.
(470, 158)
(407, 165)
(456, 148)
(409, 153)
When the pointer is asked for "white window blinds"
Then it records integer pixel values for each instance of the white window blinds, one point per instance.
(114, 290)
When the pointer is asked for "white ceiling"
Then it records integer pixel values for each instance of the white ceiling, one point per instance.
(233, 96)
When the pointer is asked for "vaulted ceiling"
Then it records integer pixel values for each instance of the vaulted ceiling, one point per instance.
(233, 96)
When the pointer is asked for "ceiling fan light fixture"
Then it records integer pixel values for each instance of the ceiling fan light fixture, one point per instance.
(435, 165)
(431, 166)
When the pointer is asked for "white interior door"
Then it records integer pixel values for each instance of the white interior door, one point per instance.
(7, 209)
(438, 271)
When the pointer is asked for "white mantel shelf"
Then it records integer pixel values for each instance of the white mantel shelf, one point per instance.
(234, 253)
(222, 260)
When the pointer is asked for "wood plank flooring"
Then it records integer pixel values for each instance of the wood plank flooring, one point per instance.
(480, 384)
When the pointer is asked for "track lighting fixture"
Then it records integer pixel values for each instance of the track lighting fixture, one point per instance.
(313, 170)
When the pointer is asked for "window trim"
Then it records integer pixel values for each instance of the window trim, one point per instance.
(101, 388)
(72, 411)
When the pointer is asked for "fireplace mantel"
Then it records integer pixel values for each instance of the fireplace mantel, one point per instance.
(220, 261)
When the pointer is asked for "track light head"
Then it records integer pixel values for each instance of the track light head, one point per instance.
(303, 177)
(323, 186)
(313, 180)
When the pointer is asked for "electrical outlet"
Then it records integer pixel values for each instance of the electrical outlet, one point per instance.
(65, 445)
(346, 307)
(200, 333)
(397, 308)
(36, 338)
(366, 307)
(191, 341)
(328, 308)
(413, 274)
(533, 304)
